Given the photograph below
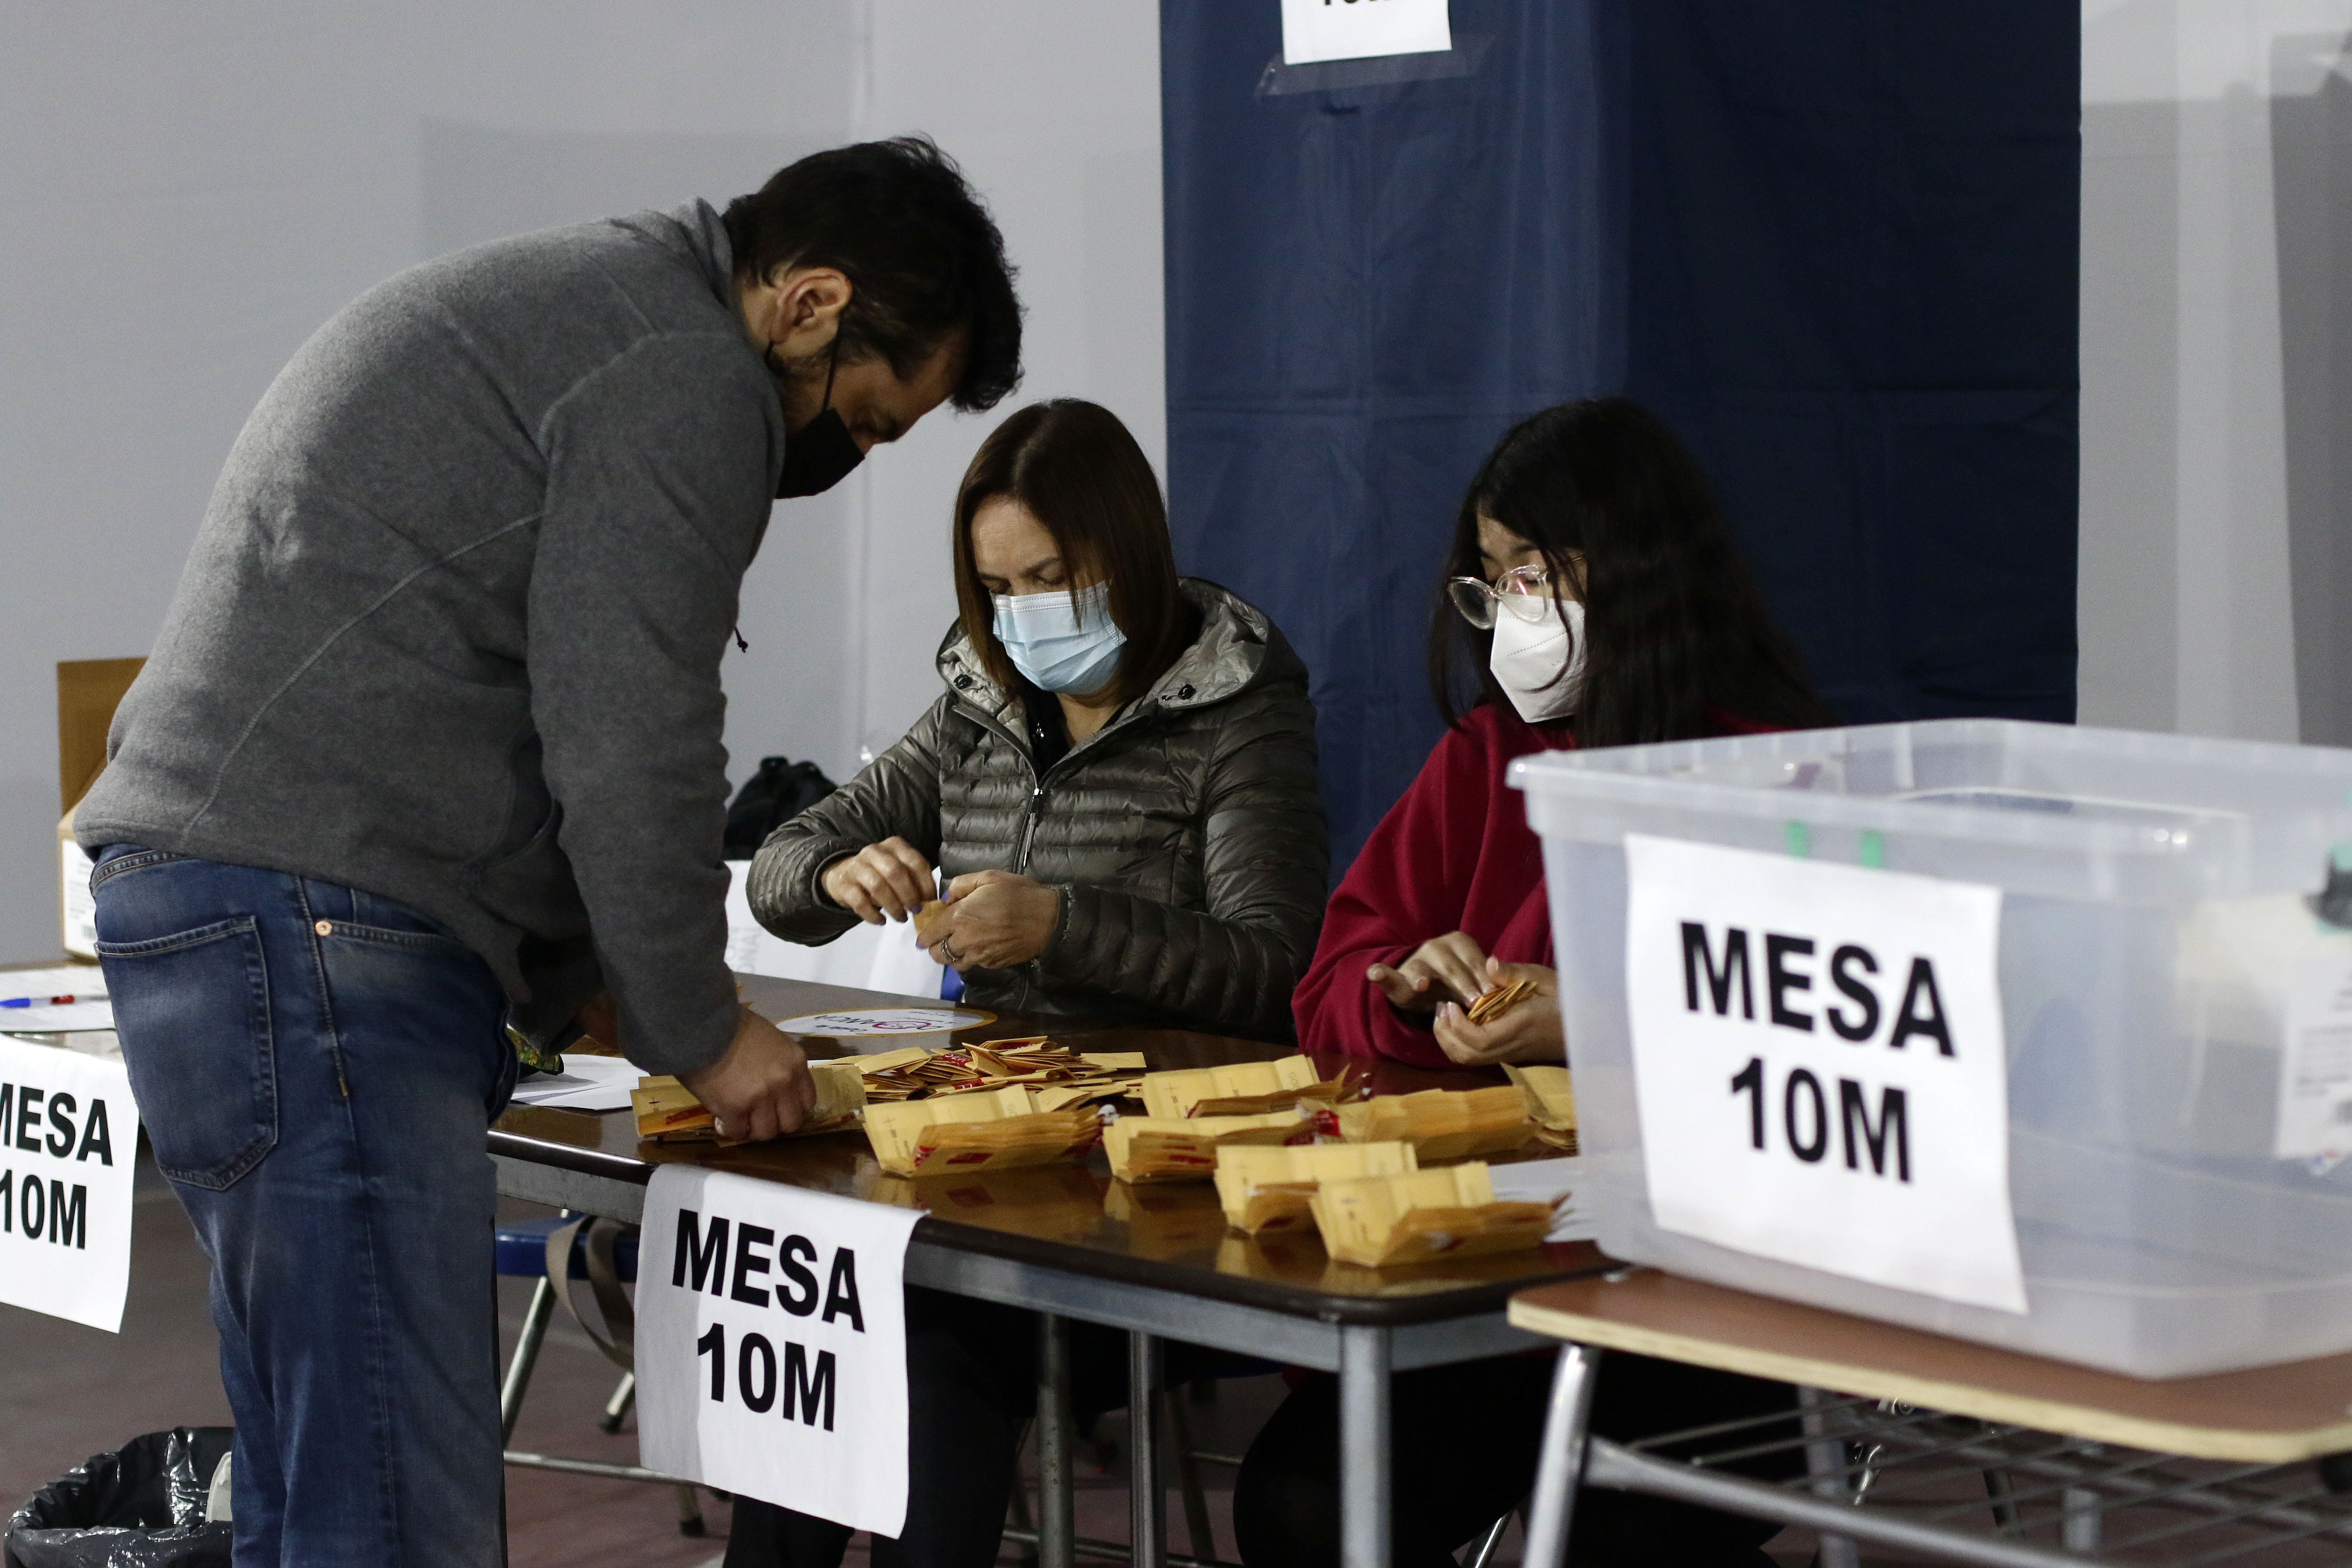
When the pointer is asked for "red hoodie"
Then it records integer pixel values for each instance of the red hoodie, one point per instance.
(1456, 853)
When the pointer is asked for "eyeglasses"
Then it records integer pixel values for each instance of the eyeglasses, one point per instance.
(1525, 591)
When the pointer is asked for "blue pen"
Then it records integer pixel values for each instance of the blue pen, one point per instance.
(50, 1002)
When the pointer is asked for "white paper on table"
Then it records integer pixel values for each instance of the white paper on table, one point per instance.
(586, 1083)
(85, 983)
(1820, 1066)
(1552, 1181)
(72, 1139)
(771, 1344)
(58, 1020)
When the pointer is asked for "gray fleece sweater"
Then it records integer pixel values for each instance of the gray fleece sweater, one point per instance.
(452, 627)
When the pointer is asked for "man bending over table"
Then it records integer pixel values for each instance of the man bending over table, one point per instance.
(430, 745)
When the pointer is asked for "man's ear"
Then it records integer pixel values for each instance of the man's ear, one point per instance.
(807, 309)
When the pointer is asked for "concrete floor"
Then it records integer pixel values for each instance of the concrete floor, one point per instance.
(67, 1392)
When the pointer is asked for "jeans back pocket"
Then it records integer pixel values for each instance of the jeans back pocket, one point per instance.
(193, 1013)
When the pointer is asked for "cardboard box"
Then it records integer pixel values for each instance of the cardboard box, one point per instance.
(88, 692)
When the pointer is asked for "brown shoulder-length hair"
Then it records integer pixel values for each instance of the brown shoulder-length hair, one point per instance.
(1079, 473)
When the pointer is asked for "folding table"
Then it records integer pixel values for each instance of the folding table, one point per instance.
(1069, 1243)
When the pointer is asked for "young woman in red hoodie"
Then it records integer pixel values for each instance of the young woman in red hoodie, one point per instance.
(1596, 594)
(1598, 597)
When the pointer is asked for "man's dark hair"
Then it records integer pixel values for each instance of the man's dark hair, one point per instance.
(923, 257)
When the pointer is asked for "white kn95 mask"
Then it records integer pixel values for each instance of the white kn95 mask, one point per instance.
(1539, 663)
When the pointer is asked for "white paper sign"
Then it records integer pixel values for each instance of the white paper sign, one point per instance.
(1819, 1060)
(771, 1344)
(2315, 1113)
(1354, 29)
(69, 1136)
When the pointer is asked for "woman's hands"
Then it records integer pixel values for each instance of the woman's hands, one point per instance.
(887, 880)
(1446, 973)
(994, 920)
(1528, 1031)
(1451, 963)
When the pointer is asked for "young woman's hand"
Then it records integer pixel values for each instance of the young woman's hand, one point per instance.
(1528, 1031)
(890, 879)
(1449, 965)
(994, 920)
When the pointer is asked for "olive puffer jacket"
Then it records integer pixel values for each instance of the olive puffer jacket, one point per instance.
(1185, 835)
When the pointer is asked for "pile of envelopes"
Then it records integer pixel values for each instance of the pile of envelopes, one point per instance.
(1551, 1098)
(989, 1130)
(1184, 1148)
(1077, 1078)
(1440, 1123)
(1417, 1215)
(667, 1111)
(1272, 1189)
(1245, 1088)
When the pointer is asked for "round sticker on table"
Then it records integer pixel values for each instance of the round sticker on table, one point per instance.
(869, 1023)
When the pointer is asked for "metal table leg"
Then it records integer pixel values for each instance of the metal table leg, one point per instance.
(1825, 1462)
(526, 1356)
(1056, 1524)
(1560, 1465)
(1187, 1472)
(1147, 1497)
(1365, 1455)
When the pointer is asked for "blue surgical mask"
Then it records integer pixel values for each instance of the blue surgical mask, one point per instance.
(1059, 646)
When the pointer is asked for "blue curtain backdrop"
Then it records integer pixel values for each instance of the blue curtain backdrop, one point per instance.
(1833, 241)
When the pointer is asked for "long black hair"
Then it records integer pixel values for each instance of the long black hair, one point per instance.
(1677, 628)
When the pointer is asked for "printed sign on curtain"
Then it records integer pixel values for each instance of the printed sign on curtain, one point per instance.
(771, 1344)
(69, 1132)
(1820, 1064)
(1353, 30)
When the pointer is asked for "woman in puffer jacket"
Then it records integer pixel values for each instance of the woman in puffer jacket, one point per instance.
(1119, 783)
(1118, 780)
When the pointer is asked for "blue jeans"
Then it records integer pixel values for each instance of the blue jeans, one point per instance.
(315, 1068)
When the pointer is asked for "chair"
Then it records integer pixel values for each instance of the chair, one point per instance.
(556, 1250)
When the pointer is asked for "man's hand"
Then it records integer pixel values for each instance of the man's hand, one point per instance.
(1528, 1031)
(890, 879)
(1450, 963)
(994, 920)
(761, 1088)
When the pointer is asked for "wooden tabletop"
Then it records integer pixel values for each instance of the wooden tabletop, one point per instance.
(2271, 1414)
(1070, 1216)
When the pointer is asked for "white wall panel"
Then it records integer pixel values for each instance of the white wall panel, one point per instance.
(194, 188)
(2217, 172)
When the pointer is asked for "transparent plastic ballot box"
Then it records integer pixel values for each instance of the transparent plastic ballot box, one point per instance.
(2159, 896)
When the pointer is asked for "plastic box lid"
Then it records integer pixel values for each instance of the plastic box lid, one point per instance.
(2047, 808)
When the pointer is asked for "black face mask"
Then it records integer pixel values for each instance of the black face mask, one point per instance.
(821, 453)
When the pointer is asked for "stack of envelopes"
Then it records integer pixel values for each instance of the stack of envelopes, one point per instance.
(1264, 1189)
(989, 1130)
(1075, 1077)
(667, 1111)
(1419, 1215)
(1440, 1123)
(1245, 1088)
(1184, 1149)
(1550, 1099)
(1492, 1005)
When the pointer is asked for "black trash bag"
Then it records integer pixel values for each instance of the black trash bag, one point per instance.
(779, 792)
(140, 1508)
